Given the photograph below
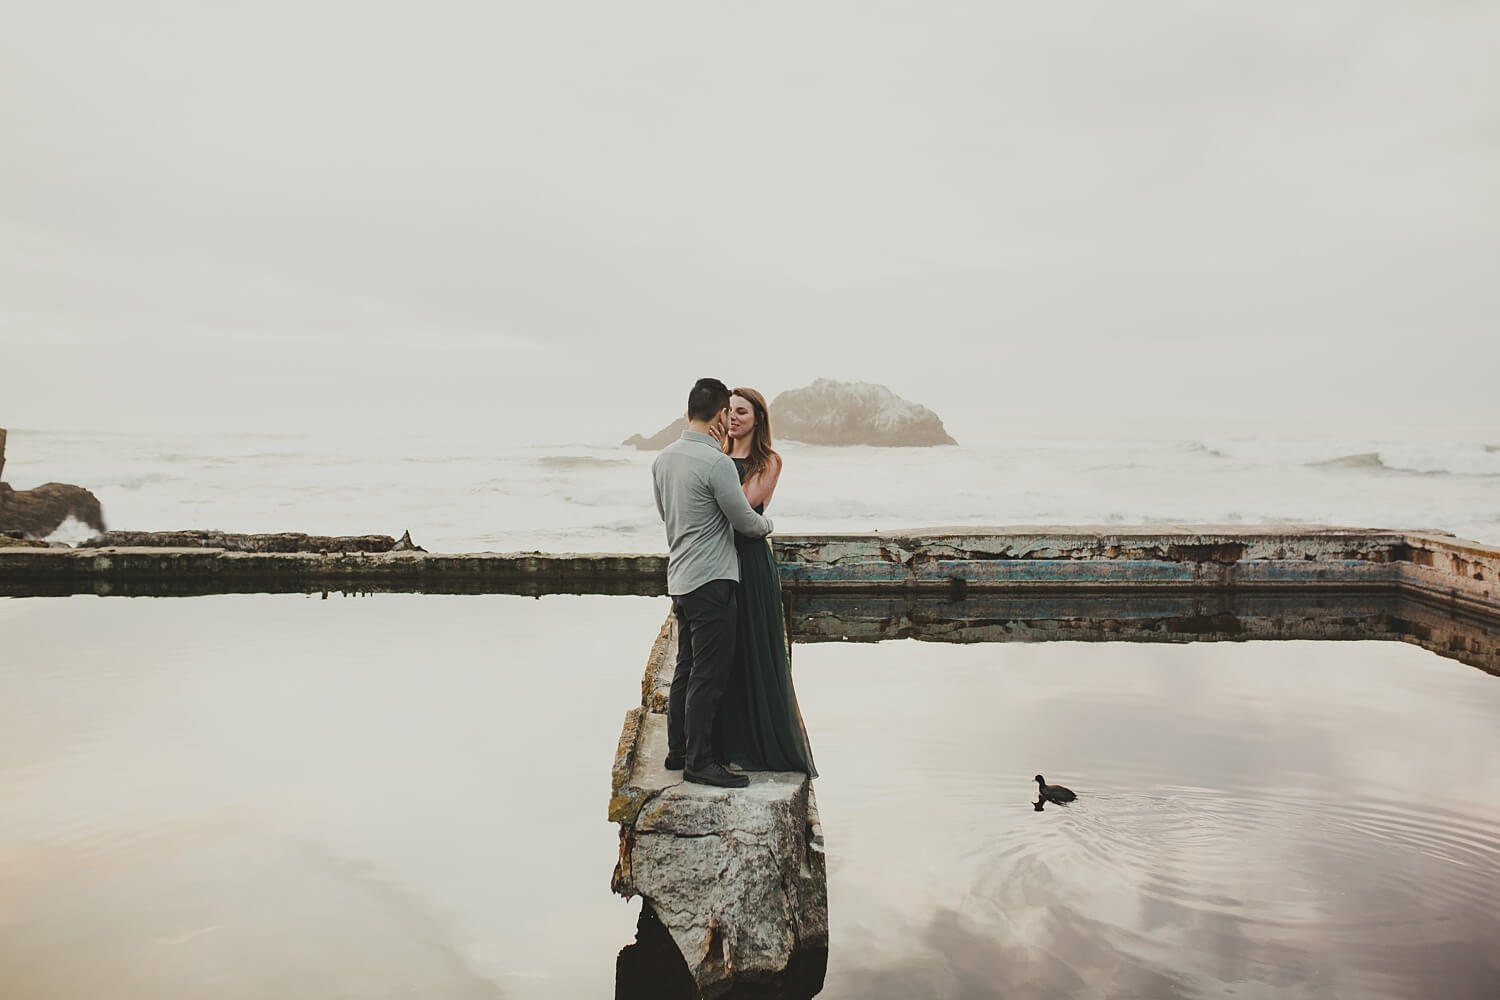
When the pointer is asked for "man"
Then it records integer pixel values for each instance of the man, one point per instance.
(699, 498)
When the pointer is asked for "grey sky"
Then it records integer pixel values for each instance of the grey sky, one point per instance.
(1029, 216)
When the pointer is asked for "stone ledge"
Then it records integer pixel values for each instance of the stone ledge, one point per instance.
(183, 571)
(1184, 557)
(1107, 557)
(737, 877)
(285, 541)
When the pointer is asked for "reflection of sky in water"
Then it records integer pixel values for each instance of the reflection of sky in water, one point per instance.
(255, 796)
(1287, 818)
(283, 796)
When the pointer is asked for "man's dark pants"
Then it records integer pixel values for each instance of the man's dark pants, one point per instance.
(705, 651)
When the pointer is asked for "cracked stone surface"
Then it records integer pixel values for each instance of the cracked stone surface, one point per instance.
(1204, 557)
(736, 876)
(286, 541)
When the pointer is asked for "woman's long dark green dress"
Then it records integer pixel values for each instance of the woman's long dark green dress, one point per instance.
(759, 719)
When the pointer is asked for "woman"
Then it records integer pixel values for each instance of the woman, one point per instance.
(760, 723)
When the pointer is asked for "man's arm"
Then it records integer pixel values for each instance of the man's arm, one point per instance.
(731, 500)
(656, 488)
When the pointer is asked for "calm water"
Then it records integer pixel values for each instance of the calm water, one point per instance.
(1258, 819)
(404, 795)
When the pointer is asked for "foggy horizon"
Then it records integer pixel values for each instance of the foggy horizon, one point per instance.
(1035, 221)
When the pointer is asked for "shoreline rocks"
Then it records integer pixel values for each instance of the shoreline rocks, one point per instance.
(35, 514)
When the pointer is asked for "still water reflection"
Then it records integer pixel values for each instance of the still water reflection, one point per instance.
(281, 796)
(263, 796)
(1285, 819)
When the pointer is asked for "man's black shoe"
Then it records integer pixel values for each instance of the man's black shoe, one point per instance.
(716, 774)
(675, 762)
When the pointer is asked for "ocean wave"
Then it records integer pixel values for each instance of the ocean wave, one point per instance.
(1364, 460)
(144, 479)
(72, 531)
(1417, 461)
(584, 533)
(580, 462)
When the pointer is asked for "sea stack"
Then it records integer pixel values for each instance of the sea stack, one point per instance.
(844, 413)
(836, 413)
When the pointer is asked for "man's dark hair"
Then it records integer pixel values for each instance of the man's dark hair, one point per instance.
(708, 397)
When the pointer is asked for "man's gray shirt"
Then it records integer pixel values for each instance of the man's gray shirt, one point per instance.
(699, 497)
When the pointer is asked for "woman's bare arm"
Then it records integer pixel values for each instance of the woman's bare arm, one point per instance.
(760, 487)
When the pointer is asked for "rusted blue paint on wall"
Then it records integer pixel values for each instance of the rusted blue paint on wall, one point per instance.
(1319, 572)
(1437, 566)
(1076, 572)
(1070, 571)
(1181, 557)
(874, 573)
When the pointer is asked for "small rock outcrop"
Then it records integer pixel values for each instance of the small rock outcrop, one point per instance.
(38, 513)
(735, 877)
(836, 413)
(660, 439)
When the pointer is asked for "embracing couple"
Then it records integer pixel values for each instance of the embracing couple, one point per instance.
(732, 700)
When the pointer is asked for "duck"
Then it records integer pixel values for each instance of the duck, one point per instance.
(1053, 793)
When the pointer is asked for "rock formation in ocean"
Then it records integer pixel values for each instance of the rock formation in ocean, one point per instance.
(660, 439)
(838, 413)
(829, 412)
(38, 513)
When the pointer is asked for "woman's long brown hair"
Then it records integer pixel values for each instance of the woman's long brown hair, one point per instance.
(761, 451)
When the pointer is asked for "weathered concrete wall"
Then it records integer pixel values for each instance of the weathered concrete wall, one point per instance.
(1186, 557)
(1441, 566)
(953, 561)
(285, 541)
(736, 876)
(191, 571)
(1021, 557)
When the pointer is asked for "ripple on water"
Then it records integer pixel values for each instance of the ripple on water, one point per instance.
(1273, 862)
(1233, 890)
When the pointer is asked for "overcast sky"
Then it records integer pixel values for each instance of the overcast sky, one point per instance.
(1031, 216)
